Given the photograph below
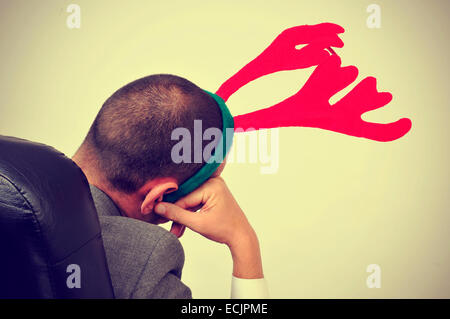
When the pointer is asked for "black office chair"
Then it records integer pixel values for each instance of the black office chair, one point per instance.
(50, 239)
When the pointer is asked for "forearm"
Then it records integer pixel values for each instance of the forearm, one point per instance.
(246, 254)
(248, 280)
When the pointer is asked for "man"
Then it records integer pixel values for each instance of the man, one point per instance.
(126, 157)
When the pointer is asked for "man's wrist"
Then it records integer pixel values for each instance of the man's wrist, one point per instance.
(246, 256)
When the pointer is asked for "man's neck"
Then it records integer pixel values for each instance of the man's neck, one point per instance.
(94, 178)
(128, 204)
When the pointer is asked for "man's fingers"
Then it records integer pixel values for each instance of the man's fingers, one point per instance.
(177, 229)
(194, 199)
(177, 214)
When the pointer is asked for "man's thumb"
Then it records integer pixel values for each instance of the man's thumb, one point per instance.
(176, 214)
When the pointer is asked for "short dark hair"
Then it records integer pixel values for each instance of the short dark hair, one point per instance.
(131, 135)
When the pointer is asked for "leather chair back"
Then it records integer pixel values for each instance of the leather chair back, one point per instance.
(50, 238)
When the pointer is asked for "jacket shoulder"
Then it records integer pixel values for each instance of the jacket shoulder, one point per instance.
(140, 255)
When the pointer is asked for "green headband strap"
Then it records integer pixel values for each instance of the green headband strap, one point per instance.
(214, 161)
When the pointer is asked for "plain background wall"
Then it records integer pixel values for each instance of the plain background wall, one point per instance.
(337, 203)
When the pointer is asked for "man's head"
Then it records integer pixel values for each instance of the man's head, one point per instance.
(127, 151)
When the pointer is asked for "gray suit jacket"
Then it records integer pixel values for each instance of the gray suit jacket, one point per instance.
(144, 260)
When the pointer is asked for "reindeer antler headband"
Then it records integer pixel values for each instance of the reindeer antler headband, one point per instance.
(220, 152)
(310, 106)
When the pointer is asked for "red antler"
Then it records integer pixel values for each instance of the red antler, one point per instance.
(282, 55)
(310, 106)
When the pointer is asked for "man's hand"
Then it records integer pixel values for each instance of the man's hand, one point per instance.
(220, 219)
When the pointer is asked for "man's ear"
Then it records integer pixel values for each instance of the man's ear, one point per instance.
(156, 189)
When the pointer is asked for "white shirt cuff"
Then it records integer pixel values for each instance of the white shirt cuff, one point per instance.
(249, 288)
